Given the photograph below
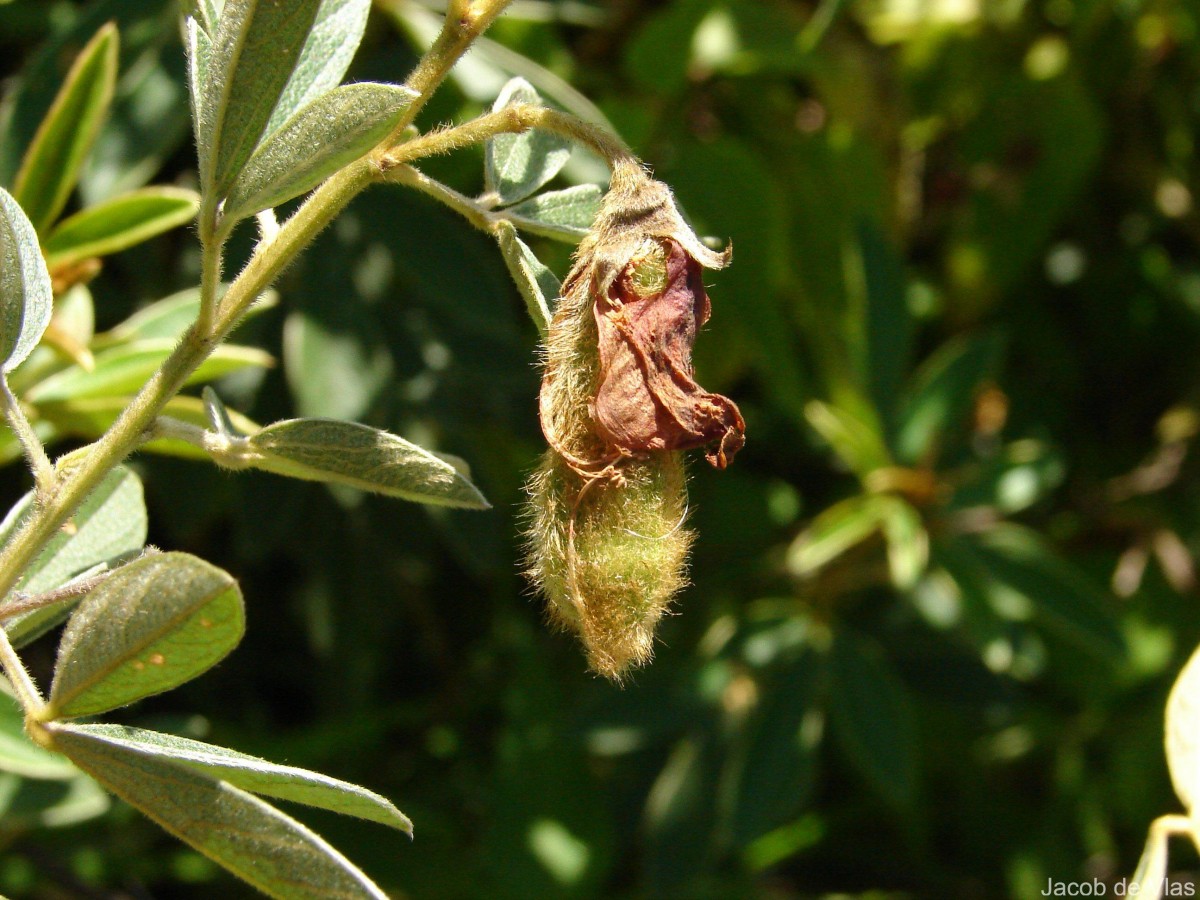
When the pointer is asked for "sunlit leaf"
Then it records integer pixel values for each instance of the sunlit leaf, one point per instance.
(253, 774)
(835, 530)
(26, 297)
(332, 41)
(254, 52)
(170, 317)
(109, 526)
(52, 162)
(124, 368)
(564, 215)
(858, 442)
(246, 835)
(537, 284)
(120, 223)
(516, 165)
(907, 542)
(361, 457)
(333, 130)
(152, 625)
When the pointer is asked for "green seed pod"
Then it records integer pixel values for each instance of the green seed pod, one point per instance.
(606, 542)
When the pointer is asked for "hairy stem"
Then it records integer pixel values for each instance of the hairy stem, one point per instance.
(31, 444)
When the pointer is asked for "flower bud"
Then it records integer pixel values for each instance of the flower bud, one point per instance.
(606, 542)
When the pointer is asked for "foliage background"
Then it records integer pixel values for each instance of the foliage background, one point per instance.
(967, 228)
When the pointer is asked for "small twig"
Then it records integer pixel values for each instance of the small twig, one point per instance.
(23, 603)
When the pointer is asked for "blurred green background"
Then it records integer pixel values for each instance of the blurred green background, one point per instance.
(937, 603)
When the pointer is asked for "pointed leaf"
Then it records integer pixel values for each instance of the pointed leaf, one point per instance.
(565, 215)
(258, 776)
(248, 836)
(1183, 733)
(52, 163)
(254, 52)
(110, 526)
(26, 297)
(170, 317)
(335, 35)
(198, 42)
(537, 284)
(858, 443)
(366, 458)
(889, 325)
(873, 718)
(907, 542)
(835, 530)
(152, 625)
(120, 223)
(125, 368)
(18, 754)
(335, 129)
(516, 165)
(945, 386)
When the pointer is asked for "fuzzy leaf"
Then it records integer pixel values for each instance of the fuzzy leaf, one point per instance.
(565, 215)
(26, 297)
(332, 41)
(335, 129)
(246, 835)
(120, 223)
(258, 776)
(109, 526)
(348, 453)
(154, 624)
(537, 284)
(125, 368)
(516, 165)
(254, 52)
(52, 163)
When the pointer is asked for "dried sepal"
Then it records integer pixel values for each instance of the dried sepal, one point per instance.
(606, 542)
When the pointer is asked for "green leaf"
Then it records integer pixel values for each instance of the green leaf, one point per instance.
(120, 223)
(109, 526)
(907, 542)
(1183, 733)
(516, 165)
(335, 35)
(938, 409)
(334, 129)
(198, 42)
(248, 836)
(835, 530)
(336, 365)
(28, 804)
(125, 368)
(1014, 479)
(366, 458)
(26, 297)
(253, 774)
(778, 769)
(855, 440)
(565, 215)
(254, 53)
(152, 625)
(52, 163)
(18, 754)
(1061, 597)
(872, 717)
(536, 284)
(169, 318)
(90, 417)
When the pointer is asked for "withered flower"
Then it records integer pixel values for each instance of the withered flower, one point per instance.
(618, 401)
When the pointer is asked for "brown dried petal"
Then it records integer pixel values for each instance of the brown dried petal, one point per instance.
(648, 398)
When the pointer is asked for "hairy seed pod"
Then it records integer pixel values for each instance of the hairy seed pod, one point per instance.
(606, 542)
